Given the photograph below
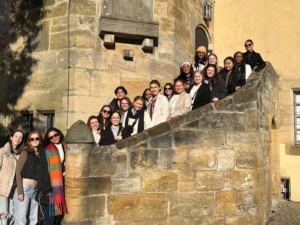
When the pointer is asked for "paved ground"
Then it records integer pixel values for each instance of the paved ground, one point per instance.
(285, 213)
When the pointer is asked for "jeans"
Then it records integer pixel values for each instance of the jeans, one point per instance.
(49, 220)
(27, 207)
(7, 207)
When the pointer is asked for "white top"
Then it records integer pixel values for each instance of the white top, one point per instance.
(193, 93)
(61, 152)
(97, 136)
(248, 70)
(172, 103)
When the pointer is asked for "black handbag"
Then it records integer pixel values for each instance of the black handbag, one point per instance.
(41, 198)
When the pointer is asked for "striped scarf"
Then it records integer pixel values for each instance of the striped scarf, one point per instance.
(57, 203)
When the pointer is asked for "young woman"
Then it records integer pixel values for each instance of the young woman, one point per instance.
(95, 127)
(137, 118)
(104, 116)
(212, 59)
(51, 177)
(158, 107)
(26, 175)
(253, 58)
(217, 85)
(199, 92)
(200, 58)
(180, 103)
(146, 96)
(125, 104)
(242, 67)
(168, 90)
(120, 93)
(186, 74)
(232, 77)
(115, 132)
(8, 161)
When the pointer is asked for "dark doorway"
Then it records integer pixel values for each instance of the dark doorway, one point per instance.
(201, 38)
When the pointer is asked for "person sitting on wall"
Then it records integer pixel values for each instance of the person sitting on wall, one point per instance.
(212, 59)
(200, 58)
(137, 118)
(199, 91)
(233, 79)
(125, 104)
(115, 132)
(180, 102)
(158, 107)
(95, 127)
(253, 58)
(242, 67)
(186, 74)
(104, 116)
(217, 85)
(120, 92)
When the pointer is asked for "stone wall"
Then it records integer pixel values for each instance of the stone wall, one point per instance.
(210, 166)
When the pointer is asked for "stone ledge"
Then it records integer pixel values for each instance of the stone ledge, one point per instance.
(128, 29)
(292, 150)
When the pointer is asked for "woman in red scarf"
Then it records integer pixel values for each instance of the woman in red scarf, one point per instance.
(50, 178)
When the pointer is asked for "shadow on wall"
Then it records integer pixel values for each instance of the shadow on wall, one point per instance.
(20, 24)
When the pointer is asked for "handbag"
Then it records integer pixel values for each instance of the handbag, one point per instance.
(41, 198)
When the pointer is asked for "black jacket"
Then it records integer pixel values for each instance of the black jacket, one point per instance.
(43, 176)
(218, 90)
(235, 79)
(201, 97)
(107, 136)
(114, 104)
(254, 59)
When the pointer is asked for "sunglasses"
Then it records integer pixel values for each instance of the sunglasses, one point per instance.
(106, 111)
(248, 45)
(168, 88)
(55, 135)
(35, 139)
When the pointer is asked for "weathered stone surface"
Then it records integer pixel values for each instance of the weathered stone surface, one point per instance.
(201, 159)
(76, 205)
(100, 185)
(127, 184)
(164, 141)
(191, 204)
(246, 159)
(242, 180)
(76, 187)
(246, 139)
(159, 182)
(226, 159)
(42, 39)
(187, 186)
(137, 206)
(102, 162)
(210, 221)
(156, 222)
(58, 10)
(250, 202)
(143, 159)
(226, 202)
(249, 220)
(210, 180)
(83, 7)
(97, 206)
(169, 159)
(79, 132)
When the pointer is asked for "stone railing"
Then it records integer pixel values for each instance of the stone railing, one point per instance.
(210, 166)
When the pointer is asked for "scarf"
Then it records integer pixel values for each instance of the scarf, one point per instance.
(151, 105)
(57, 203)
(138, 115)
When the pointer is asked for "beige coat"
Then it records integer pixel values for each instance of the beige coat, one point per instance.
(161, 110)
(8, 165)
(182, 105)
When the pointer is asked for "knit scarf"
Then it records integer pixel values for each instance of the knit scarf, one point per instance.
(57, 203)
(138, 115)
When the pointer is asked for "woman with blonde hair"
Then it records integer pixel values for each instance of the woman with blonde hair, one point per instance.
(26, 176)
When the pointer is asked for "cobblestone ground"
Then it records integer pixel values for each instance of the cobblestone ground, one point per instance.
(286, 213)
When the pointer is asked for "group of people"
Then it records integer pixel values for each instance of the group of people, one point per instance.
(32, 179)
(198, 84)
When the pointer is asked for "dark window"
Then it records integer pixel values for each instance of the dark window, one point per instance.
(27, 124)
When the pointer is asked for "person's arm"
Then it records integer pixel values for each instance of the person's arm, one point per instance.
(20, 164)
(164, 111)
(43, 179)
(222, 89)
(260, 63)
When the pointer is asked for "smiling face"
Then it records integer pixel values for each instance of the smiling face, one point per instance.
(94, 124)
(186, 68)
(168, 90)
(138, 104)
(238, 58)
(249, 46)
(54, 137)
(212, 60)
(120, 94)
(228, 64)
(179, 87)
(210, 72)
(16, 139)
(200, 54)
(198, 78)
(115, 119)
(34, 140)
(148, 95)
(154, 89)
(105, 112)
(124, 105)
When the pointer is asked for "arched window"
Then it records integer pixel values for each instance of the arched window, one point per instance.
(201, 38)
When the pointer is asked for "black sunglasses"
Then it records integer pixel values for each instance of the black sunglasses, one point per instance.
(106, 111)
(168, 88)
(55, 135)
(37, 139)
(248, 45)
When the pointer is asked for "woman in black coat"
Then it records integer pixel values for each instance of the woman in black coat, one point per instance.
(233, 79)
(199, 91)
(115, 132)
(217, 85)
(253, 58)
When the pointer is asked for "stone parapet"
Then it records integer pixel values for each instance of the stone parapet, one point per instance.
(209, 166)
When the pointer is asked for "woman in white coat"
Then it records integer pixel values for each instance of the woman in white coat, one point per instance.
(180, 103)
(158, 106)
